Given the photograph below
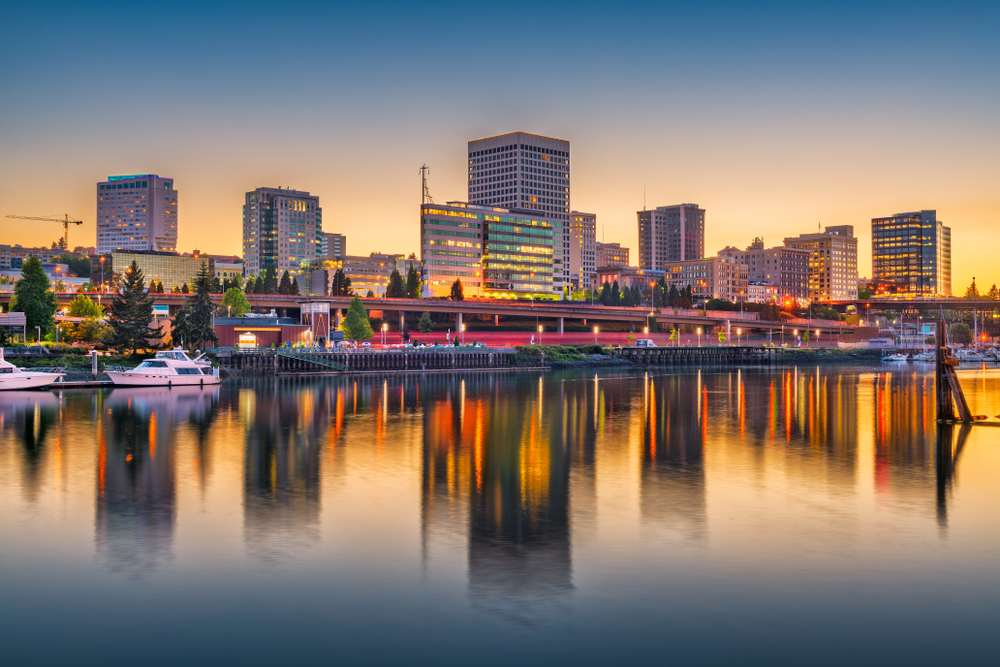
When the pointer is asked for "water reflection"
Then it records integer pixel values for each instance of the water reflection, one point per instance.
(30, 416)
(136, 498)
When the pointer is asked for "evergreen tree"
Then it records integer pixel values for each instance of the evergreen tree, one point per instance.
(295, 287)
(131, 313)
(185, 289)
(217, 286)
(425, 324)
(961, 333)
(270, 281)
(175, 290)
(355, 324)
(616, 296)
(193, 323)
(83, 306)
(972, 292)
(285, 286)
(341, 284)
(605, 297)
(370, 295)
(234, 303)
(395, 289)
(33, 297)
(994, 293)
(457, 292)
(251, 286)
(412, 284)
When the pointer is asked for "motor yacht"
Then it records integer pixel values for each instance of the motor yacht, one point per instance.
(898, 356)
(12, 377)
(167, 369)
(925, 356)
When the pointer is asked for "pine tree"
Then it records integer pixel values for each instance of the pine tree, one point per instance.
(251, 286)
(972, 292)
(616, 296)
(285, 286)
(341, 284)
(994, 293)
(270, 281)
(457, 291)
(395, 289)
(217, 286)
(355, 324)
(193, 323)
(33, 297)
(131, 313)
(412, 284)
(185, 289)
(605, 297)
(425, 324)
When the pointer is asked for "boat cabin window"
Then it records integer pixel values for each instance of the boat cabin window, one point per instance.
(187, 371)
(179, 356)
(6, 370)
(153, 364)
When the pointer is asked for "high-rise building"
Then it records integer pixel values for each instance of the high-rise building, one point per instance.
(582, 249)
(833, 262)
(519, 170)
(912, 251)
(333, 245)
(496, 252)
(282, 228)
(671, 234)
(610, 254)
(137, 213)
(527, 173)
(784, 270)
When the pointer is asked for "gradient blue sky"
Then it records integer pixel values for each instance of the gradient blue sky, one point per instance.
(772, 116)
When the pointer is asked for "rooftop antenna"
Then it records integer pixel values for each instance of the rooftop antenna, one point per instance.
(426, 193)
(644, 198)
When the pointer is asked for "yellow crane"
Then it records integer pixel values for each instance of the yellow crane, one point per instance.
(65, 220)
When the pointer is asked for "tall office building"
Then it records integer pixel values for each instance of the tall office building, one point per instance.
(333, 245)
(496, 252)
(785, 270)
(526, 173)
(912, 251)
(281, 228)
(582, 249)
(833, 262)
(671, 234)
(137, 213)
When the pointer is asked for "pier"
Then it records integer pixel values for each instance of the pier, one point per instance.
(704, 356)
(282, 360)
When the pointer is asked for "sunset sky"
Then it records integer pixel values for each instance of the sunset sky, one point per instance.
(774, 117)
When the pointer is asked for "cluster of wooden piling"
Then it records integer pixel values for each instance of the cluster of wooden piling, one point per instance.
(703, 356)
(276, 361)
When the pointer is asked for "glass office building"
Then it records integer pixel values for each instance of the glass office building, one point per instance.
(911, 252)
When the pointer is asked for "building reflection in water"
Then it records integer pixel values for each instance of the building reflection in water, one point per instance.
(136, 508)
(672, 480)
(496, 458)
(284, 423)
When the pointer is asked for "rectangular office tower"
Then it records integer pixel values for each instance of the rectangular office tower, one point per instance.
(912, 253)
(671, 234)
(582, 249)
(281, 228)
(496, 252)
(519, 170)
(136, 213)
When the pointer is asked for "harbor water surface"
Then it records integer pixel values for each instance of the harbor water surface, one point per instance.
(787, 515)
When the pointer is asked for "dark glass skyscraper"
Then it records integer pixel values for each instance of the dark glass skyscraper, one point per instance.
(911, 253)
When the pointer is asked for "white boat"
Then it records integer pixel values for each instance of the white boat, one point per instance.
(12, 377)
(167, 369)
(926, 356)
(898, 356)
(970, 355)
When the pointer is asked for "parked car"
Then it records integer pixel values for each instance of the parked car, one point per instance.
(645, 343)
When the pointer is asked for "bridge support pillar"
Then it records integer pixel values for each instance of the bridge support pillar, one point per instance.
(496, 320)
(402, 321)
(458, 323)
(559, 324)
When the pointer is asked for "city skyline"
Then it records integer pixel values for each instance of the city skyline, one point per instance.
(796, 124)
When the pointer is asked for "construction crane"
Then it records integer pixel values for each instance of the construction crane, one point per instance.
(65, 220)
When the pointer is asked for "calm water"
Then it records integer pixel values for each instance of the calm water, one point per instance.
(802, 516)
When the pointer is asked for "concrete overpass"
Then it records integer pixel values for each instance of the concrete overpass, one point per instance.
(912, 305)
(548, 310)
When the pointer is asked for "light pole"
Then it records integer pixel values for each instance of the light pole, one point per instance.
(699, 336)
(738, 333)
(595, 335)
(463, 334)
(385, 327)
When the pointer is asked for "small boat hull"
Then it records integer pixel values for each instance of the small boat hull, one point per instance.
(133, 379)
(15, 381)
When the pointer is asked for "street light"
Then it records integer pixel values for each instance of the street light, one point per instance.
(540, 334)
(385, 327)
(463, 333)
(595, 335)
(738, 333)
(699, 336)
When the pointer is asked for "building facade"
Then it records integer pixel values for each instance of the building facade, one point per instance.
(833, 263)
(14, 256)
(282, 228)
(784, 269)
(171, 269)
(520, 170)
(610, 255)
(333, 245)
(629, 276)
(912, 252)
(496, 252)
(712, 278)
(582, 249)
(137, 213)
(670, 234)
